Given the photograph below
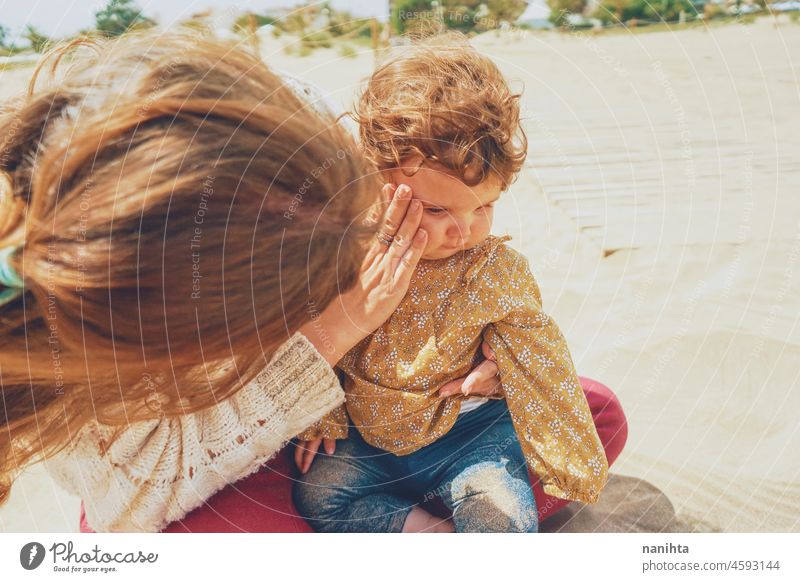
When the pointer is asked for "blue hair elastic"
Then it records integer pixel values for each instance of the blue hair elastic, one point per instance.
(9, 278)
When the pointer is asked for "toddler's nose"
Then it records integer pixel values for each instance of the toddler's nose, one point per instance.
(459, 232)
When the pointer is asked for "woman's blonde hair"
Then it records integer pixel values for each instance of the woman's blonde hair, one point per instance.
(176, 209)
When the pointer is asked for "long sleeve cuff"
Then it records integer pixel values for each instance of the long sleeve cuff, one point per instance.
(332, 426)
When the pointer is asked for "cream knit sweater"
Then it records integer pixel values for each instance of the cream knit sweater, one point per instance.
(158, 471)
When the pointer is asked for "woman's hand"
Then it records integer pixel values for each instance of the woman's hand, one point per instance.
(384, 279)
(483, 380)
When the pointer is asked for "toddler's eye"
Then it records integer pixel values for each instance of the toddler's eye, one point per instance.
(434, 210)
(486, 208)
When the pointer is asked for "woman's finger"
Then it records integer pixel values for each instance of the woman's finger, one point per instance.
(396, 213)
(405, 234)
(387, 192)
(298, 454)
(376, 250)
(376, 211)
(405, 266)
(330, 445)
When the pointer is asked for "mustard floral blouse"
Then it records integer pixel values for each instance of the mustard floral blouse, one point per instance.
(487, 292)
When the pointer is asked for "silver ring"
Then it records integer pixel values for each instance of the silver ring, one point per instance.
(384, 238)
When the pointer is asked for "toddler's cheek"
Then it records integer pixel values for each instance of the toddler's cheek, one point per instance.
(434, 229)
(429, 223)
(485, 227)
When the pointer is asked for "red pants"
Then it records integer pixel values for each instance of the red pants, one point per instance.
(262, 502)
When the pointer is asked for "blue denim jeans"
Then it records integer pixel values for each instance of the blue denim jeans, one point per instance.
(477, 469)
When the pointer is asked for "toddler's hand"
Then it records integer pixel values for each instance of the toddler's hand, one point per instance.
(482, 380)
(305, 452)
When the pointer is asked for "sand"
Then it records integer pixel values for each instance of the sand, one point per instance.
(660, 214)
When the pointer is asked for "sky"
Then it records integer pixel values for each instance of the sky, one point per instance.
(57, 18)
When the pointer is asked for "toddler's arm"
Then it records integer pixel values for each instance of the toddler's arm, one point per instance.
(331, 426)
(547, 404)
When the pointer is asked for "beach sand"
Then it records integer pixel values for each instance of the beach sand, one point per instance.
(660, 214)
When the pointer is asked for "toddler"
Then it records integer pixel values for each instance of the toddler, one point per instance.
(440, 120)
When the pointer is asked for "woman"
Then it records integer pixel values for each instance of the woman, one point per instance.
(183, 257)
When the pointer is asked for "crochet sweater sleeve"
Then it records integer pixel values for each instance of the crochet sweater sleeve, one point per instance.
(157, 471)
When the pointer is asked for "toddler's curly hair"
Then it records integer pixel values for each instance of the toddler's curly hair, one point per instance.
(444, 101)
